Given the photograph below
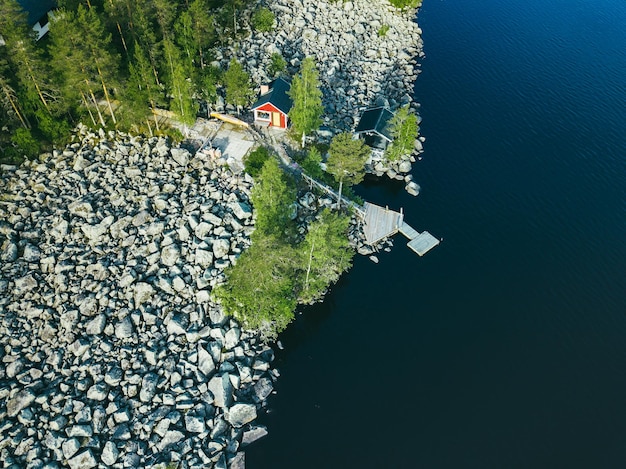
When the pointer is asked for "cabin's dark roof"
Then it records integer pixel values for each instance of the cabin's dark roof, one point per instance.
(36, 9)
(376, 120)
(277, 96)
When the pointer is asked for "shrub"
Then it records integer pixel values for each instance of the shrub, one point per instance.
(404, 4)
(25, 142)
(277, 64)
(255, 160)
(263, 20)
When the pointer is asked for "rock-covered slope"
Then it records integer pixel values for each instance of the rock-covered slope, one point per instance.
(112, 353)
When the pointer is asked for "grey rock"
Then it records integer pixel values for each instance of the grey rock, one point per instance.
(9, 251)
(31, 253)
(231, 338)
(221, 247)
(81, 209)
(239, 461)
(113, 376)
(240, 414)
(202, 229)
(109, 454)
(177, 325)
(142, 293)
(253, 434)
(241, 210)
(58, 423)
(25, 284)
(221, 388)
(194, 424)
(413, 188)
(148, 387)
(263, 388)
(70, 447)
(205, 361)
(170, 255)
(180, 155)
(79, 430)
(203, 257)
(20, 401)
(98, 392)
(96, 325)
(170, 438)
(124, 328)
(84, 460)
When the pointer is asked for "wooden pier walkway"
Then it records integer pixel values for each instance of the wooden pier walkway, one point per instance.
(380, 223)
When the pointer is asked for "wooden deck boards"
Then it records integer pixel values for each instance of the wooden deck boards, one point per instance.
(380, 222)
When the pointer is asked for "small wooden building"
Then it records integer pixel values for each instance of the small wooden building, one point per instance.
(273, 105)
(374, 128)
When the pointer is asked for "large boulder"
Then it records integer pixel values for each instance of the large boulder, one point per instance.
(240, 414)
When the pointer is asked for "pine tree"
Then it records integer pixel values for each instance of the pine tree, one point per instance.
(404, 130)
(237, 81)
(306, 95)
(23, 58)
(326, 253)
(346, 160)
(82, 57)
(272, 196)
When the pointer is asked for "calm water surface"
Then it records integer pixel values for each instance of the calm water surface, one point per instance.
(505, 347)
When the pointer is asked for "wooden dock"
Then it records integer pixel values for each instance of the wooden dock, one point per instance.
(380, 223)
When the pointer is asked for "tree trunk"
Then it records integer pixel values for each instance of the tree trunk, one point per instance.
(87, 107)
(119, 28)
(156, 120)
(303, 139)
(95, 103)
(15, 108)
(106, 93)
(339, 198)
(308, 269)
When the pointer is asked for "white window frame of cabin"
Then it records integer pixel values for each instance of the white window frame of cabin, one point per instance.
(257, 116)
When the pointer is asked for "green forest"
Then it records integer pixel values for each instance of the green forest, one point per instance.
(107, 63)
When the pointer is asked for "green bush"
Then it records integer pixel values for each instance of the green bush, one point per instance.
(403, 4)
(255, 160)
(25, 142)
(263, 20)
(277, 65)
(383, 30)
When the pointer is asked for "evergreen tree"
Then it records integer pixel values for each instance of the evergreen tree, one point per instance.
(312, 162)
(260, 288)
(272, 196)
(84, 66)
(404, 130)
(278, 65)
(237, 82)
(326, 253)
(306, 95)
(346, 160)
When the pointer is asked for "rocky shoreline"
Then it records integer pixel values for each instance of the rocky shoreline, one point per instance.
(113, 354)
(359, 66)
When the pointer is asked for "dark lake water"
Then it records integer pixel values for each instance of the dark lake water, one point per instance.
(505, 347)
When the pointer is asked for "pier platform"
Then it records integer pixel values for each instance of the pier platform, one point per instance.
(380, 223)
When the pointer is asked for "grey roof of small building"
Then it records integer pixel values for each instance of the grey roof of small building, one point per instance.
(277, 95)
(36, 9)
(376, 120)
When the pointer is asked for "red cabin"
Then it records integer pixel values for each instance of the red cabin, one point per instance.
(273, 105)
